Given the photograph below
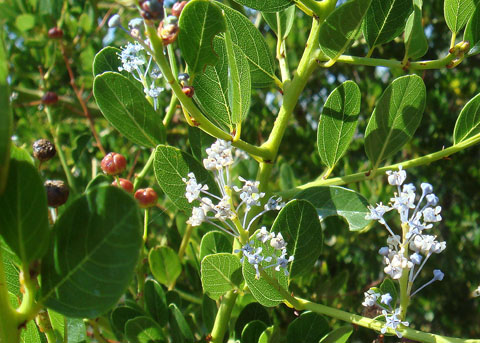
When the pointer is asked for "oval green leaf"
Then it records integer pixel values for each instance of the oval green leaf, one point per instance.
(106, 60)
(338, 201)
(165, 265)
(396, 118)
(339, 335)
(468, 122)
(300, 227)
(385, 20)
(24, 222)
(337, 123)
(121, 315)
(310, 326)
(253, 311)
(156, 302)
(170, 166)
(341, 27)
(220, 273)
(416, 44)
(144, 330)
(179, 329)
(96, 244)
(280, 22)
(457, 13)
(266, 6)
(252, 331)
(199, 22)
(214, 242)
(472, 32)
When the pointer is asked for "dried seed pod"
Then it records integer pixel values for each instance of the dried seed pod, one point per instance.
(146, 197)
(49, 98)
(57, 192)
(55, 33)
(113, 163)
(177, 8)
(125, 184)
(43, 150)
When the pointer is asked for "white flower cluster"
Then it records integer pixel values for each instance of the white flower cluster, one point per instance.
(414, 247)
(254, 255)
(219, 160)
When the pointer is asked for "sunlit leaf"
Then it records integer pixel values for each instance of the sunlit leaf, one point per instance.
(457, 13)
(280, 22)
(220, 273)
(339, 335)
(468, 122)
(416, 43)
(266, 6)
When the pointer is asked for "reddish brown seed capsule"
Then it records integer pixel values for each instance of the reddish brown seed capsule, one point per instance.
(113, 163)
(55, 33)
(49, 98)
(147, 197)
(168, 31)
(57, 192)
(125, 184)
(188, 91)
(43, 150)
(177, 8)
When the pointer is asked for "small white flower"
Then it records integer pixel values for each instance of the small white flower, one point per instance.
(114, 21)
(282, 263)
(376, 213)
(396, 263)
(432, 200)
(416, 258)
(154, 92)
(426, 188)
(263, 235)
(131, 57)
(246, 249)
(432, 215)
(384, 251)
(438, 275)
(370, 298)
(274, 204)
(278, 242)
(219, 156)
(255, 259)
(197, 218)
(223, 210)
(135, 23)
(476, 292)
(392, 321)
(386, 299)
(249, 193)
(193, 189)
(396, 178)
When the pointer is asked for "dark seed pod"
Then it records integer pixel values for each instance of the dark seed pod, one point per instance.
(57, 192)
(146, 197)
(177, 8)
(151, 9)
(55, 33)
(49, 98)
(113, 163)
(125, 184)
(188, 91)
(43, 150)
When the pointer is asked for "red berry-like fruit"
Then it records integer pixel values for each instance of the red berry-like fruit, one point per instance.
(57, 192)
(43, 150)
(55, 33)
(147, 197)
(188, 91)
(177, 8)
(113, 163)
(49, 98)
(125, 184)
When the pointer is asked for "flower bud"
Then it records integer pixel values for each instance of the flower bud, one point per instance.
(188, 91)
(49, 98)
(151, 9)
(43, 150)
(168, 30)
(57, 192)
(125, 184)
(55, 33)
(183, 79)
(177, 8)
(114, 21)
(113, 163)
(147, 197)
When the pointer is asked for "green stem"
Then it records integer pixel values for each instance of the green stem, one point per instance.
(61, 154)
(146, 168)
(281, 53)
(172, 107)
(8, 324)
(223, 316)
(342, 180)
(185, 240)
(189, 106)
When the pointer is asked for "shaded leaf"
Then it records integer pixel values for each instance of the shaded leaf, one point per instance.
(165, 265)
(468, 122)
(337, 123)
(24, 222)
(156, 302)
(472, 32)
(416, 44)
(220, 273)
(253, 311)
(298, 222)
(388, 286)
(338, 201)
(339, 335)
(6, 120)
(252, 331)
(280, 22)
(20, 154)
(209, 312)
(96, 244)
(385, 20)
(341, 27)
(121, 315)
(180, 331)
(126, 108)
(457, 13)
(266, 6)
(199, 22)
(143, 330)
(310, 326)
(396, 118)
(214, 242)
(199, 140)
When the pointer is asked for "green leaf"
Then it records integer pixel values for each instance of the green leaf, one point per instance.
(339, 335)
(50, 7)
(74, 327)
(472, 32)
(338, 201)
(252, 331)
(337, 123)
(457, 13)
(199, 140)
(253, 311)
(20, 154)
(213, 88)
(156, 302)
(287, 177)
(214, 242)
(144, 330)
(396, 118)
(11, 269)
(106, 60)
(280, 22)
(25, 22)
(341, 27)
(6, 121)
(95, 250)
(165, 265)
(209, 312)
(199, 22)
(266, 294)
(310, 326)
(300, 227)
(266, 6)
(468, 122)
(121, 315)
(416, 44)
(170, 166)
(24, 221)
(271, 335)
(220, 273)
(388, 286)
(126, 108)
(385, 20)
(247, 37)
(99, 180)
(180, 331)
